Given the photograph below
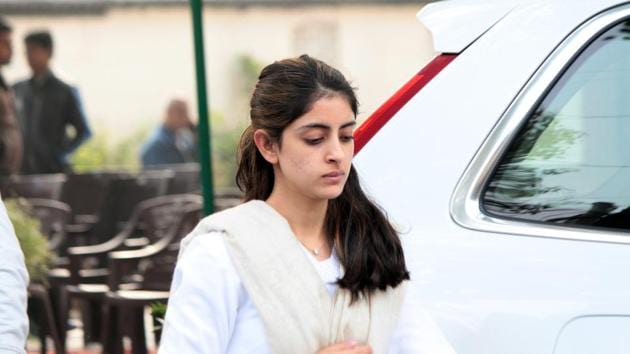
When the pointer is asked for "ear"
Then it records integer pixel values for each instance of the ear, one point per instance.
(268, 147)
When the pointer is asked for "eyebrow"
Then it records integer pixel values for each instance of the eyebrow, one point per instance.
(325, 126)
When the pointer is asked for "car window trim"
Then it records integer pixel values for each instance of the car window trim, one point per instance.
(466, 208)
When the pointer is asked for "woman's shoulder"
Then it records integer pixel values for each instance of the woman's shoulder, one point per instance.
(250, 209)
(205, 260)
(206, 251)
(243, 218)
(207, 240)
(206, 244)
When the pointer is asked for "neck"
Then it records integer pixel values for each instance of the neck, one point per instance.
(169, 127)
(306, 217)
(40, 74)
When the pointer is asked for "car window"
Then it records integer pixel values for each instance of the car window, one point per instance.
(570, 163)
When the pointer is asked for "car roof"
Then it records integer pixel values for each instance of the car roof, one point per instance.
(455, 24)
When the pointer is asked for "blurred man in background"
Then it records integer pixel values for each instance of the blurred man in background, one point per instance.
(10, 138)
(174, 141)
(49, 111)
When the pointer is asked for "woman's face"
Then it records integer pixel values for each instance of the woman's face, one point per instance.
(315, 155)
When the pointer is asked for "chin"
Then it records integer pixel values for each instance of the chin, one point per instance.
(331, 194)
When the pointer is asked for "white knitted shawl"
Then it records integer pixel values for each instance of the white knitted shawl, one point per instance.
(298, 313)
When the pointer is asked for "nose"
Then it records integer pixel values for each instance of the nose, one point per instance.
(335, 151)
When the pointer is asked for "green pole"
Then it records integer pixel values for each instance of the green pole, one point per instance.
(205, 149)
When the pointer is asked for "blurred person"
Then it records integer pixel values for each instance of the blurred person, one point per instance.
(173, 141)
(47, 107)
(13, 284)
(10, 137)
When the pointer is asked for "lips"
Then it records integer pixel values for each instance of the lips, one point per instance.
(334, 174)
(334, 178)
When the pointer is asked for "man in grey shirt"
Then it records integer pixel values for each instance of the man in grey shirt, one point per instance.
(13, 284)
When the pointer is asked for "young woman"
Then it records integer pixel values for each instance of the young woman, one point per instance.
(308, 264)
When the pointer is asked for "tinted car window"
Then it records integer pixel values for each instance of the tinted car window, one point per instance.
(570, 164)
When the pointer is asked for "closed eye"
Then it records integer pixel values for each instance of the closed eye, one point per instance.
(314, 141)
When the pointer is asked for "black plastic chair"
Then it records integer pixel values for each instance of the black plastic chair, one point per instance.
(123, 310)
(149, 223)
(123, 194)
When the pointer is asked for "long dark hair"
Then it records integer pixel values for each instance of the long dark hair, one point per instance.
(367, 245)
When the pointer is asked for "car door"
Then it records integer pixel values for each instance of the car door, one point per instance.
(506, 177)
(564, 174)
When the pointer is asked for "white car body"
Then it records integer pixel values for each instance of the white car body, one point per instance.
(497, 286)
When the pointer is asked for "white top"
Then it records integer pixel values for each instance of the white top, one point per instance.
(209, 310)
(13, 283)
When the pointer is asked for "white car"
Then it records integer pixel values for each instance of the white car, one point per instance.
(506, 164)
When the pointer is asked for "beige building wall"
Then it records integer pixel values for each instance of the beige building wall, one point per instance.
(128, 62)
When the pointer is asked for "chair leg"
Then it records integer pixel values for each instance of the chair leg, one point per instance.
(59, 308)
(91, 316)
(95, 308)
(90, 332)
(109, 323)
(36, 317)
(59, 299)
(42, 339)
(47, 320)
(117, 319)
(106, 326)
(138, 339)
(52, 327)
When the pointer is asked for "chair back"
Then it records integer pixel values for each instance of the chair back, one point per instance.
(53, 216)
(45, 186)
(95, 185)
(157, 216)
(186, 179)
(122, 197)
(152, 265)
(157, 272)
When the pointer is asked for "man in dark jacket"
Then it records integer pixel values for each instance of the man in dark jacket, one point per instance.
(47, 107)
(10, 137)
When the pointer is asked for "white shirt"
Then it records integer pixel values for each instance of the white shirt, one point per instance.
(209, 310)
(13, 283)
